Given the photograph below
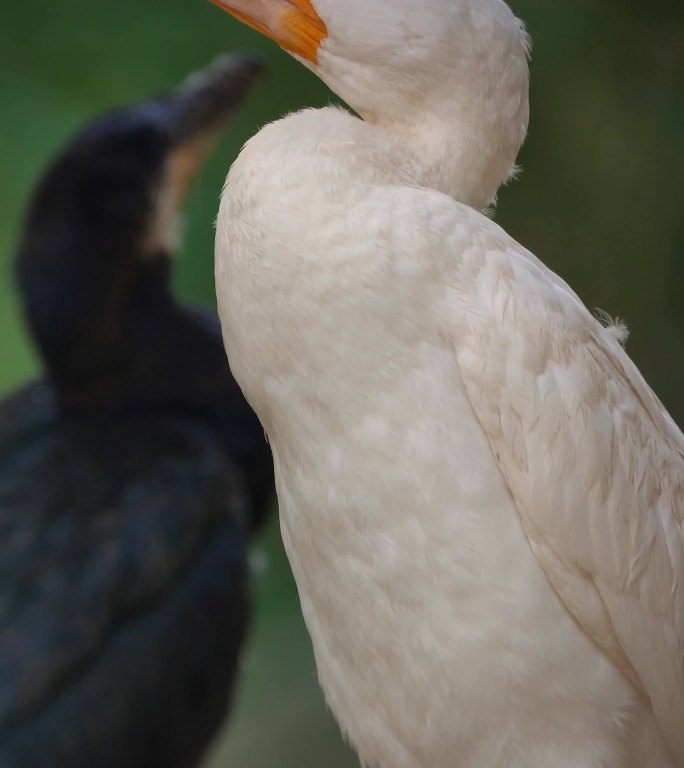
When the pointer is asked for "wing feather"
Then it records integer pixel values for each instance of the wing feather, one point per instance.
(593, 461)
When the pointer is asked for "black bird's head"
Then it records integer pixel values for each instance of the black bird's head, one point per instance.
(94, 259)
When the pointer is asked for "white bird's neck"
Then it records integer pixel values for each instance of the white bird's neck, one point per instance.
(453, 156)
(456, 117)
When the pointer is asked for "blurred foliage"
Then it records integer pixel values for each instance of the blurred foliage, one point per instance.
(601, 201)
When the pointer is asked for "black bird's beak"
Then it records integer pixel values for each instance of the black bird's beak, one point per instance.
(195, 113)
(205, 102)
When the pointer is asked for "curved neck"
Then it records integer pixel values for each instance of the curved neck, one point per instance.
(453, 156)
(457, 129)
(118, 343)
(111, 334)
(447, 155)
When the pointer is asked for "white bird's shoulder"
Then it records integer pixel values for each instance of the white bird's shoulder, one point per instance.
(301, 149)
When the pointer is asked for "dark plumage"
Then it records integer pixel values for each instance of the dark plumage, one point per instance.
(132, 476)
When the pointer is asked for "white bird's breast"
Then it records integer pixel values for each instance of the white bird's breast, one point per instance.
(416, 580)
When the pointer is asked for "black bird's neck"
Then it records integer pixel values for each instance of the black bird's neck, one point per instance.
(113, 337)
(118, 343)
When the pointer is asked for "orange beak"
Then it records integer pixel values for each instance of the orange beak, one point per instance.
(293, 24)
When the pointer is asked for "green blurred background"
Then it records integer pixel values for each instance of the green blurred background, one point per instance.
(601, 200)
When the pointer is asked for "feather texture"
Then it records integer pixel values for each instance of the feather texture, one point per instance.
(410, 359)
(480, 497)
(594, 462)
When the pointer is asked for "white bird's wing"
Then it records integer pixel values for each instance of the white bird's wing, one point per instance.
(592, 459)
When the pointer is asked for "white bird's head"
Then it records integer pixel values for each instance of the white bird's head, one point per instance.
(451, 73)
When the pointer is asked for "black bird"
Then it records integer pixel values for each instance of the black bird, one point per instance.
(133, 474)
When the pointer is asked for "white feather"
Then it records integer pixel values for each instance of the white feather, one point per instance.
(480, 497)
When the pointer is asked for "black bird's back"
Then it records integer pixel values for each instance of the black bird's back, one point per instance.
(123, 586)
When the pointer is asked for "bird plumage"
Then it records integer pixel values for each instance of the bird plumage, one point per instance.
(134, 473)
(606, 516)
(480, 496)
(125, 593)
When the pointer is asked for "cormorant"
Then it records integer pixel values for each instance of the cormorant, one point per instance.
(134, 472)
(481, 498)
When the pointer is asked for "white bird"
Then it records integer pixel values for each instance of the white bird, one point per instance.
(480, 497)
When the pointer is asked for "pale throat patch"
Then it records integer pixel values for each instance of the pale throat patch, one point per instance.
(166, 230)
